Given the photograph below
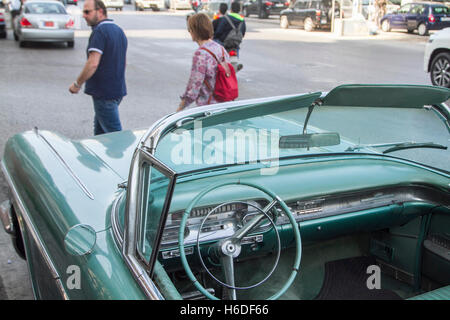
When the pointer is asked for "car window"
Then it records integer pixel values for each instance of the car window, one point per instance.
(405, 9)
(418, 9)
(154, 195)
(315, 5)
(301, 4)
(440, 10)
(44, 8)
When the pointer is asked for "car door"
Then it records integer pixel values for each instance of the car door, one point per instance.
(398, 19)
(299, 12)
(414, 15)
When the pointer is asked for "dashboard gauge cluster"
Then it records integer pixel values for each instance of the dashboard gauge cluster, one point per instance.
(216, 222)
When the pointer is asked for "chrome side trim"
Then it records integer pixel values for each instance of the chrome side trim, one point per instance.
(66, 166)
(118, 234)
(34, 233)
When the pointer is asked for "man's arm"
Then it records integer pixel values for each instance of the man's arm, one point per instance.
(88, 71)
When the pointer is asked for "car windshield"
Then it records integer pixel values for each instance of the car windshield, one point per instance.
(417, 134)
(440, 10)
(44, 8)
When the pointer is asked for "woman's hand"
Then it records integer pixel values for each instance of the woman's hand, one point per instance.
(181, 106)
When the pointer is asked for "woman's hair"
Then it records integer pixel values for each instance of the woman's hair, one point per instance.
(200, 26)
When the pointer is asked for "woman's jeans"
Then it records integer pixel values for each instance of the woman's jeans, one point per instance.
(106, 115)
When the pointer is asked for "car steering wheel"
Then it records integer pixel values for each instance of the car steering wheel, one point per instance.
(229, 248)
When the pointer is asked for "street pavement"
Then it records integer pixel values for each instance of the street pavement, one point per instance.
(35, 81)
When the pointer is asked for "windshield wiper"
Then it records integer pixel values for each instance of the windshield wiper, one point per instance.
(396, 146)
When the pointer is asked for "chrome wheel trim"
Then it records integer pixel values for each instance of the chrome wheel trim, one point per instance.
(422, 29)
(441, 72)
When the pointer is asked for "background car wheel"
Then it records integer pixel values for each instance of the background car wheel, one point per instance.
(284, 22)
(22, 44)
(70, 44)
(422, 29)
(309, 25)
(440, 70)
(386, 26)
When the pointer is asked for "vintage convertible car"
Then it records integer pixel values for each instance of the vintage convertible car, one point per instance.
(336, 195)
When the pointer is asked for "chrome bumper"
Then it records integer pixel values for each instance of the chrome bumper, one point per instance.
(47, 35)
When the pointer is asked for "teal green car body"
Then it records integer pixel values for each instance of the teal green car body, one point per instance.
(58, 185)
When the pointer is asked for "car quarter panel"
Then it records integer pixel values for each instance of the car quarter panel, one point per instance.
(46, 173)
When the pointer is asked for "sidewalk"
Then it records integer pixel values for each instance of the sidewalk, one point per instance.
(274, 23)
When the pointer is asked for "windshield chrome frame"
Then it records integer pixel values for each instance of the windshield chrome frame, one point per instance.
(147, 146)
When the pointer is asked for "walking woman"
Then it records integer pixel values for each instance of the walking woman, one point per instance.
(202, 80)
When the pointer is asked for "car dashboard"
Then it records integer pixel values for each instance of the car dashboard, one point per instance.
(363, 206)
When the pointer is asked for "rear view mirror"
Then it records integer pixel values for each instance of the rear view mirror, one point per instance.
(310, 140)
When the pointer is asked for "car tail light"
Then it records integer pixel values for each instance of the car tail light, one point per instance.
(233, 53)
(69, 24)
(286, 4)
(431, 18)
(25, 23)
(268, 3)
(318, 12)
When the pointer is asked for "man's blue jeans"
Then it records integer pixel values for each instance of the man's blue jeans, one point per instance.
(106, 115)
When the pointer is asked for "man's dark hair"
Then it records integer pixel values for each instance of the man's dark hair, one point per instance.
(235, 7)
(99, 4)
(223, 7)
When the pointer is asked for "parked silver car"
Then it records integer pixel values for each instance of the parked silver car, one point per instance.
(44, 21)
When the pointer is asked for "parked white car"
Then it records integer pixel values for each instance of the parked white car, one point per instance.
(180, 4)
(114, 4)
(437, 58)
(155, 5)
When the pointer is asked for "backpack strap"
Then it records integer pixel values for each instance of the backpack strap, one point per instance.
(218, 62)
(230, 22)
(210, 52)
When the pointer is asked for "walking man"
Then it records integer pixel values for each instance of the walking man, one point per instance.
(104, 71)
(224, 26)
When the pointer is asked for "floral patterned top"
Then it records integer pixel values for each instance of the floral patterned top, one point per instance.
(204, 67)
